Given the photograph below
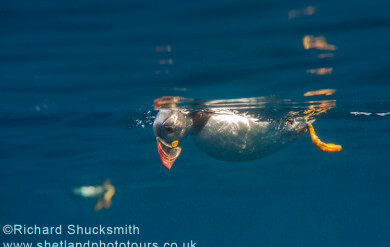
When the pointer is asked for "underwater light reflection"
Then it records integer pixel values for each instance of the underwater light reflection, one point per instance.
(320, 92)
(320, 71)
(165, 61)
(310, 10)
(320, 43)
(256, 107)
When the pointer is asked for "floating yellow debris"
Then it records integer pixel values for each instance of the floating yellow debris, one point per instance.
(320, 71)
(320, 92)
(312, 42)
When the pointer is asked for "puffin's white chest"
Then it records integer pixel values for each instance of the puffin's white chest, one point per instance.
(236, 138)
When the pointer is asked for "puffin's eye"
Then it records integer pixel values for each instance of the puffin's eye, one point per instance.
(169, 129)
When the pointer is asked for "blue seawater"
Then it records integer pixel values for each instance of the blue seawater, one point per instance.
(77, 84)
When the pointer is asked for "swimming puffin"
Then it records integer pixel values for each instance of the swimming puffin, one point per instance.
(227, 136)
(104, 193)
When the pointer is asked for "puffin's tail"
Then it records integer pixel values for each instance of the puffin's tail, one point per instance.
(329, 147)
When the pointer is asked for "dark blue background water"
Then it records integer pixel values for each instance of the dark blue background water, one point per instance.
(77, 77)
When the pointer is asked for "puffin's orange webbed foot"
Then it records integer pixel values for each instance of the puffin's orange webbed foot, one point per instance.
(328, 147)
(98, 205)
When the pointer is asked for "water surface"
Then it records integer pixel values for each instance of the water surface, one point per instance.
(78, 80)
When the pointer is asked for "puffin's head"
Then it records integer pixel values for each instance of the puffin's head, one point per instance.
(170, 128)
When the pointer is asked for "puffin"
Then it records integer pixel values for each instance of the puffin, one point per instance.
(103, 193)
(228, 136)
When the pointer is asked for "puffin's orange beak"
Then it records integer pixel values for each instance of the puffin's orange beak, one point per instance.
(168, 154)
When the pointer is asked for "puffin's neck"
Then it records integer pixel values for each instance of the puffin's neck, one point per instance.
(199, 119)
